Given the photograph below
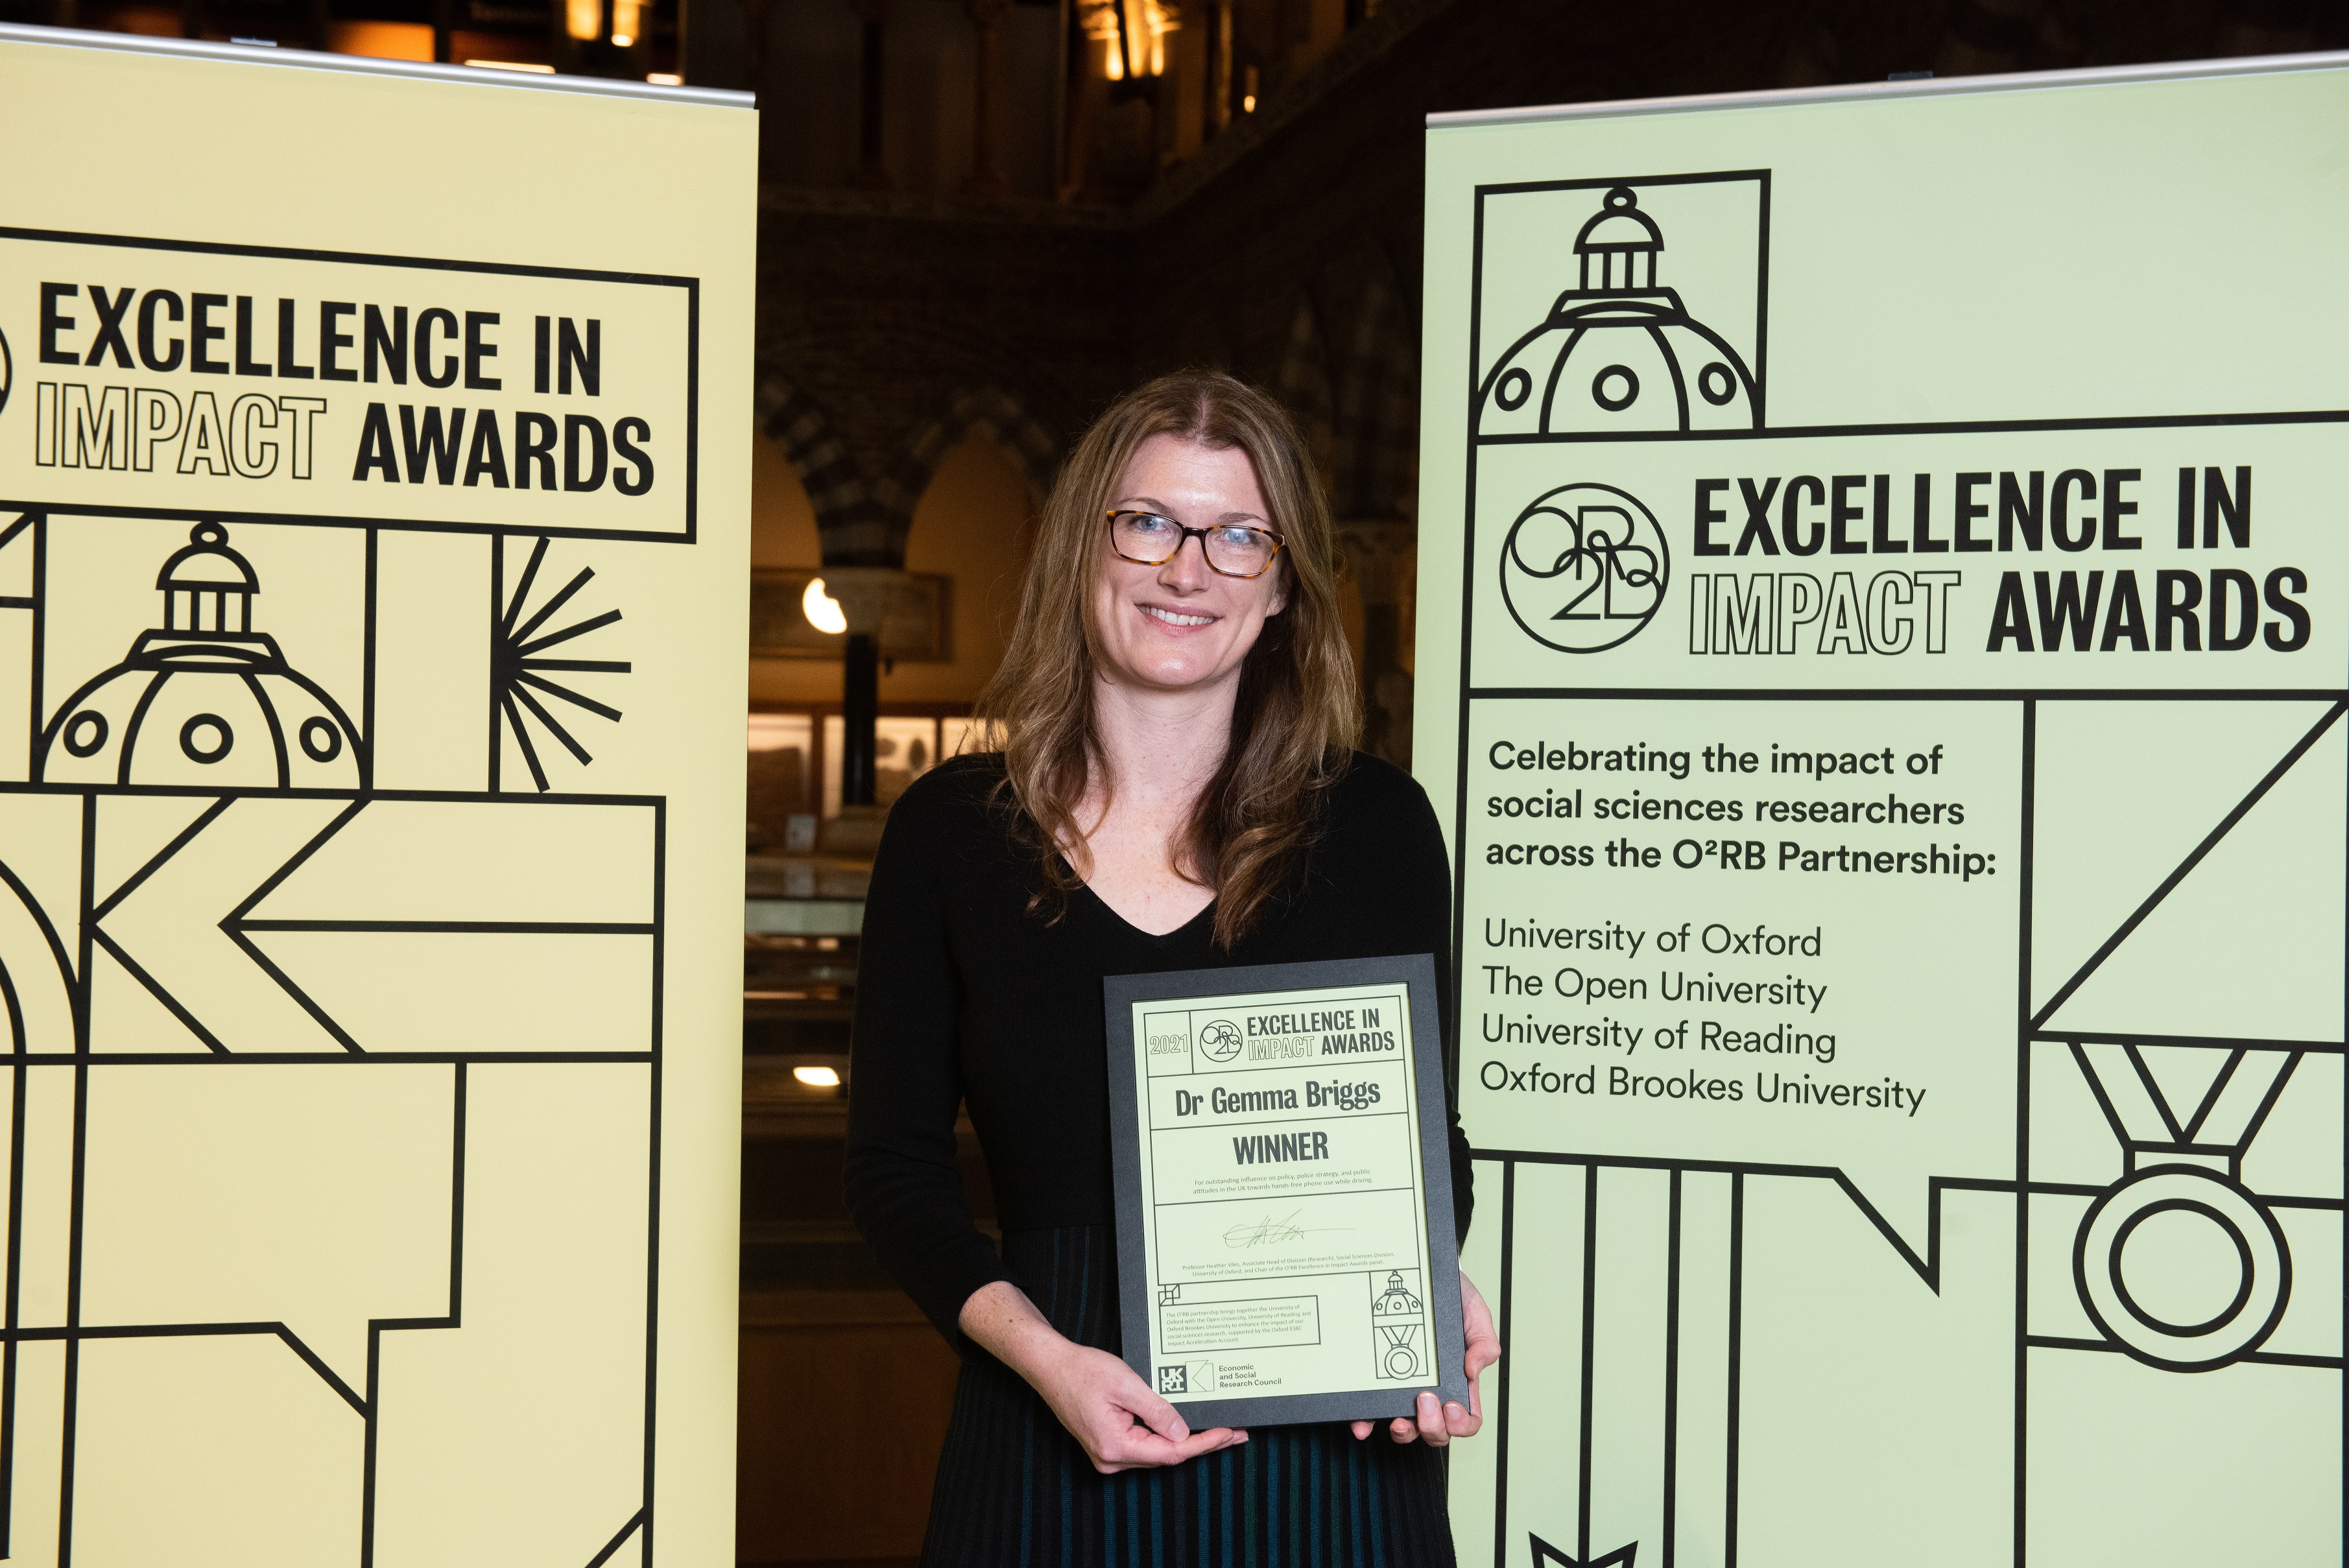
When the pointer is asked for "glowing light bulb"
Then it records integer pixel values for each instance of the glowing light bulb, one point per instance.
(822, 611)
(627, 23)
(582, 19)
(817, 1077)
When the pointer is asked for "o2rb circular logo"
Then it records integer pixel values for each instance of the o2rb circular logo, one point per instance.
(1219, 1040)
(1584, 568)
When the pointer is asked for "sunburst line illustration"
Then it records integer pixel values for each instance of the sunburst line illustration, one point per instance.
(514, 669)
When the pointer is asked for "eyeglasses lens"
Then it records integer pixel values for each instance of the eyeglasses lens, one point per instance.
(1150, 539)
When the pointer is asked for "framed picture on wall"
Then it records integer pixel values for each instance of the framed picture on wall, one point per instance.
(916, 627)
(794, 762)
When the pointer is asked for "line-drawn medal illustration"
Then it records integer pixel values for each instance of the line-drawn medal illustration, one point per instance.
(1399, 1314)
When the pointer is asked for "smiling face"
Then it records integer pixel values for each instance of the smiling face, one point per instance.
(1182, 626)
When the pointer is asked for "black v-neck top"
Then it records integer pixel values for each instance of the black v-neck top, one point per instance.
(964, 997)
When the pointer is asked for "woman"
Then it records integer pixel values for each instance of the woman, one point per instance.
(1177, 790)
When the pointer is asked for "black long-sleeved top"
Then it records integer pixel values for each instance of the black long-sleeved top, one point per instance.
(962, 996)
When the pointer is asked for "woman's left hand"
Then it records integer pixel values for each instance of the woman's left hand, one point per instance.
(1437, 1424)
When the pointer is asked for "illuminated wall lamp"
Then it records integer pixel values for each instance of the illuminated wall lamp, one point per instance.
(628, 22)
(821, 610)
(817, 1077)
(584, 19)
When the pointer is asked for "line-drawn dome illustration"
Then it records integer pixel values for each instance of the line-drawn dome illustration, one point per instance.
(204, 699)
(1619, 351)
(1396, 1300)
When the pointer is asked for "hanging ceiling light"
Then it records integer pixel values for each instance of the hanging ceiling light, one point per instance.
(1134, 32)
(1099, 21)
(1157, 21)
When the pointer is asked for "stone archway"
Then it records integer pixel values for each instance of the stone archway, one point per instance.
(846, 518)
(1001, 415)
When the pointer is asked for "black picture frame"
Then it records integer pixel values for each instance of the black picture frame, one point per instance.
(1415, 974)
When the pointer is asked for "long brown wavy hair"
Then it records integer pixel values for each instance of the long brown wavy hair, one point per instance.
(1297, 715)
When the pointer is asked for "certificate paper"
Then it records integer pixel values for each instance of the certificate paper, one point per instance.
(1278, 1137)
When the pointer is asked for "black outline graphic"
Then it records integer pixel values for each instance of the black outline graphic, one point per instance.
(514, 669)
(2096, 1268)
(692, 287)
(2169, 884)
(1545, 1555)
(70, 971)
(1583, 308)
(193, 652)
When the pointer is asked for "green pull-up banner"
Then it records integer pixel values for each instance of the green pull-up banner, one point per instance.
(1881, 652)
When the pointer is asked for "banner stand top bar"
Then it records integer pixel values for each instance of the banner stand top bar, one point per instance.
(251, 54)
(2009, 81)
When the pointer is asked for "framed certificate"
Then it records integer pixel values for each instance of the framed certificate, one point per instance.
(1285, 1240)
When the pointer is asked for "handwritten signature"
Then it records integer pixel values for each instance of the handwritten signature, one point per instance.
(1270, 1230)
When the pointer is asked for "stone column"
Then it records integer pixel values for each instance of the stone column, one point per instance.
(755, 18)
(1379, 555)
(863, 594)
(871, 173)
(986, 174)
(1220, 69)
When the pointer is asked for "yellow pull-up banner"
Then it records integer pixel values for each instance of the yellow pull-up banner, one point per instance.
(1883, 634)
(373, 530)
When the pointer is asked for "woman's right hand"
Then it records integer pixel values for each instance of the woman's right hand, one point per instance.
(1100, 1399)
(1113, 1415)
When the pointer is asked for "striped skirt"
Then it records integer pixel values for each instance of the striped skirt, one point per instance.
(1014, 1489)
